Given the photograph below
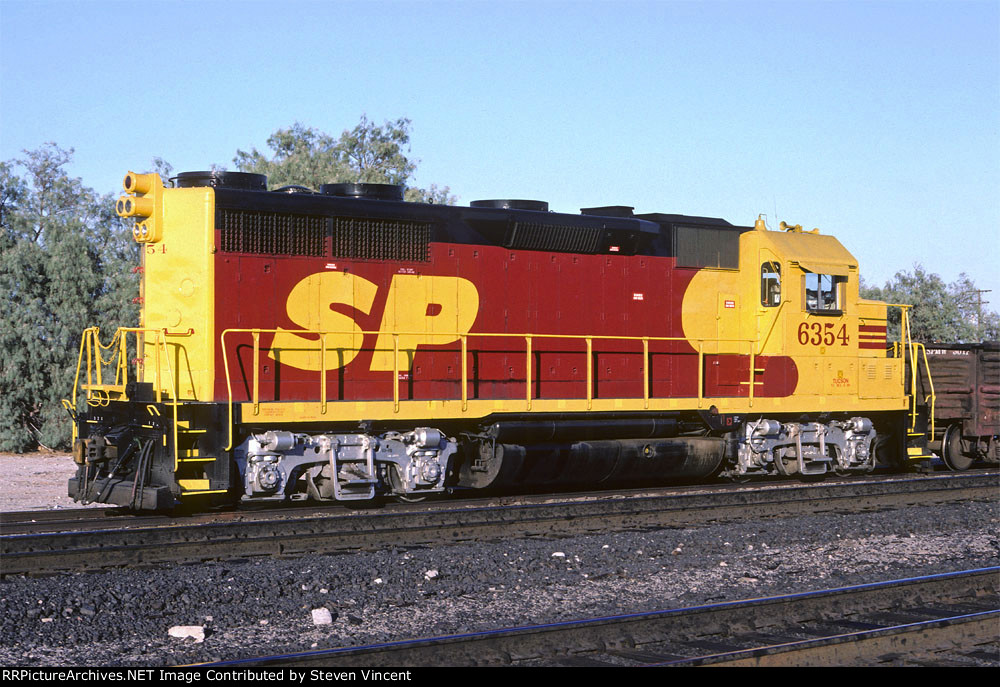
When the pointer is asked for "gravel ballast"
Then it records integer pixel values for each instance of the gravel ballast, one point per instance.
(219, 611)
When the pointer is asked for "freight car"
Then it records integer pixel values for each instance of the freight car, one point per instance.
(963, 381)
(344, 344)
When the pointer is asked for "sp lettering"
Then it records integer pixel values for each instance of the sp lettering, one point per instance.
(420, 310)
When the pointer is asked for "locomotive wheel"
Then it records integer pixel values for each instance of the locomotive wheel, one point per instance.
(411, 499)
(951, 450)
(397, 485)
(786, 466)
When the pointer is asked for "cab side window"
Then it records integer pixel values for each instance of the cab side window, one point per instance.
(770, 284)
(823, 292)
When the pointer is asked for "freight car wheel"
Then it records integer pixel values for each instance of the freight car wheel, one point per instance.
(951, 450)
(993, 451)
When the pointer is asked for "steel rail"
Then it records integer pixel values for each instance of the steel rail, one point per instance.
(441, 523)
(79, 519)
(883, 645)
(964, 601)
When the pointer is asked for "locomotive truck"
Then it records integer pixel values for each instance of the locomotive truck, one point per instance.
(343, 345)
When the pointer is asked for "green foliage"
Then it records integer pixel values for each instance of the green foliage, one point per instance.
(367, 153)
(66, 264)
(163, 168)
(434, 194)
(302, 157)
(942, 313)
(66, 260)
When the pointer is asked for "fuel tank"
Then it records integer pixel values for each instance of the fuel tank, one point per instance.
(613, 462)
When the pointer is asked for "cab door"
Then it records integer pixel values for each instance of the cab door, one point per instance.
(770, 318)
(822, 332)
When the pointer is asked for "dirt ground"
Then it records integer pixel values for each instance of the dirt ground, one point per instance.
(35, 481)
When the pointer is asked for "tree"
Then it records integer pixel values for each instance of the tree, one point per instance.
(942, 313)
(163, 168)
(302, 156)
(971, 302)
(374, 154)
(367, 153)
(65, 264)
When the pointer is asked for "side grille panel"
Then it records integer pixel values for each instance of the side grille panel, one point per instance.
(381, 239)
(564, 239)
(272, 233)
(278, 233)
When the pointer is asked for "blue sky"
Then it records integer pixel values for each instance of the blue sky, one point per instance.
(878, 122)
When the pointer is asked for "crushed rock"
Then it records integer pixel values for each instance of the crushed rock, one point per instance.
(121, 617)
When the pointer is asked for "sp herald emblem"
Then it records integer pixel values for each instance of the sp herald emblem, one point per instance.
(424, 310)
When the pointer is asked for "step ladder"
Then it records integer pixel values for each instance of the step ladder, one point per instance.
(188, 457)
(920, 428)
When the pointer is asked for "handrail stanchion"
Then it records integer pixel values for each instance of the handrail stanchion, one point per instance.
(903, 325)
(140, 356)
(76, 384)
(256, 371)
(229, 387)
(701, 371)
(465, 373)
(527, 374)
(173, 389)
(913, 373)
(645, 372)
(156, 375)
(395, 372)
(89, 333)
(590, 373)
(930, 382)
(97, 351)
(122, 367)
(322, 374)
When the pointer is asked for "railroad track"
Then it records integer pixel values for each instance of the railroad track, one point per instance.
(948, 619)
(312, 530)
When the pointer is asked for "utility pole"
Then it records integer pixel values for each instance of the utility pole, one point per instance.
(965, 299)
(979, 307)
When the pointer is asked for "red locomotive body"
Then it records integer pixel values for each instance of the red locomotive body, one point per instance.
(508, 292)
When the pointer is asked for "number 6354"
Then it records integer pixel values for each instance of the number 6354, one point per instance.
(822, 333)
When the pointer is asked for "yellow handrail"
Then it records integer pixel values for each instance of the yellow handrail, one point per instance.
(930, 382)
(462, 338)
(916, 351)
(100, 393)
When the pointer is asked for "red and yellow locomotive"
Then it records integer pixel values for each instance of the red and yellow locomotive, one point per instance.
(344, 344)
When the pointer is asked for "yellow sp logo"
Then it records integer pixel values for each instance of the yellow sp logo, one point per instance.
(422, 310)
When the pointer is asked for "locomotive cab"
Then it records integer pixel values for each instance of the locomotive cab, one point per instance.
(815, 347)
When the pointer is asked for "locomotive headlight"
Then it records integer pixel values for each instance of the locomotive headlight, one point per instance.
(130, 206)
(141, 183)
(145, 203)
